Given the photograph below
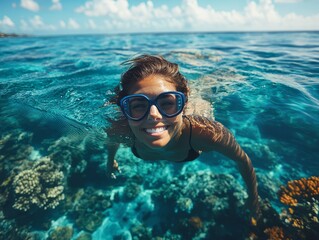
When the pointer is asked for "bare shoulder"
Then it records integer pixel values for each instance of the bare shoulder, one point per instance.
(120, 132)
(204, 125)
(205, 132)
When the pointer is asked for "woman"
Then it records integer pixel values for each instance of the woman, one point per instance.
(153, 95)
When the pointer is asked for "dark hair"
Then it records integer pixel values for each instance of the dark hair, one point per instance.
(146, 65)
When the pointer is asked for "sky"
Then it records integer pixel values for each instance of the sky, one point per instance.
(56, 17)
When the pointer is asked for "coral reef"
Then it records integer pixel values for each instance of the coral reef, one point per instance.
(302, 198)
(211, 191)
(14, 149)
(40, 187)
(275, 233)
(184, 204)
(88, 211)
(196, 205)
(195, 222)
(298, 191)
(10, 230)
(67, 154)
(139, 231)
(201, 202)
(61, 233)
(78, 157)
(84, 236)
(131, 191)
(268, 225)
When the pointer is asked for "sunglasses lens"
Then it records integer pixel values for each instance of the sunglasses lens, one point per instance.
(136, 107)
(170, 103)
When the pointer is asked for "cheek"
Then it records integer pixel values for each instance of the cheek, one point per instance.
(177, 122)
(135, 126)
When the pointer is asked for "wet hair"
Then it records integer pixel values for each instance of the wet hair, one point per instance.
(140, 68)
(146, 65)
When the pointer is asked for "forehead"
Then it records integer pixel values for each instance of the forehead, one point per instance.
(152, 85)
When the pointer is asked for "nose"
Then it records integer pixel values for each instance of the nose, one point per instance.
(154, 113)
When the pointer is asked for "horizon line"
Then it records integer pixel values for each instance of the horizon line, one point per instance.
(155, 33)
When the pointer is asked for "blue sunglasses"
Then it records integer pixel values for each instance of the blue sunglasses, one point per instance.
(135, 107)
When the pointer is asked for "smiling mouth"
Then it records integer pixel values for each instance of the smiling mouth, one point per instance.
(156, 130)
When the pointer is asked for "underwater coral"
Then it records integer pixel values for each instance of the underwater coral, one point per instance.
(67, 195)
(39, 187)
(302, 198)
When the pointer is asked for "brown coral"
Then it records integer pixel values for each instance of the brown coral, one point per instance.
(275, 233)
(302, 197)
(296, 190)
(195, 222)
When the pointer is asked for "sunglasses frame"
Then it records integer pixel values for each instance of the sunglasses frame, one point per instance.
(151, 103)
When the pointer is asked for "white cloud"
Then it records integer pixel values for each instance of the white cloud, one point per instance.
(6, 22)
(263, 16)
(62, 24)
(36, 22)
(119, 15)
(189, 15)
(287, 1)
(30, 5)
(95, 8)
(72, 24)
(260, 15)
(56, 5)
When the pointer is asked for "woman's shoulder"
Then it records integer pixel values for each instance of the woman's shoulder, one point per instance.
(203, 123)
(120, 132)
(205, 130)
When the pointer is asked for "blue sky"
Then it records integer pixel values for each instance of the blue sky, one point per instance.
(51, 17)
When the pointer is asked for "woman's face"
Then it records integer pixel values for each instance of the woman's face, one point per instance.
(155, 131)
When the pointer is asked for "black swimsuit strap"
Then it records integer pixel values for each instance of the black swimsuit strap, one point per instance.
(190, 132)
(192, 153)
(134, 151)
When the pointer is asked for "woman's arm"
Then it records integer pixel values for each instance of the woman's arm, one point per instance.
(228, 146)
(216, 137)
(248, 174)
(117, 133)
(112, 165)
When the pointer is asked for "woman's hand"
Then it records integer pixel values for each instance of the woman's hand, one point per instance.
(111, 165)
(254, 210)
(112, 169)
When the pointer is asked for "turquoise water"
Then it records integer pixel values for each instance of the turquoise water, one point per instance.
(264, 87)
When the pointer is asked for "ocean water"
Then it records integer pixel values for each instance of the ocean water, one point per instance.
(54, 90)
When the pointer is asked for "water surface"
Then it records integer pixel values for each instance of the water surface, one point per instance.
(264, 87)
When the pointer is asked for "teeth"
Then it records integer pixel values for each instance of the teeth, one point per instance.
(155, 130)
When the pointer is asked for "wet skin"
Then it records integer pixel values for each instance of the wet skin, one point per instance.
(155, 132)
